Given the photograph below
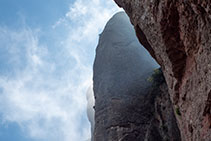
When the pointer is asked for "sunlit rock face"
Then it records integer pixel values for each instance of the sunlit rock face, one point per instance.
(90, 108)
(177, 33)
(125, 105)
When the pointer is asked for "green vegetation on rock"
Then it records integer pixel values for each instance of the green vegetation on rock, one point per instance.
(157, 77)
(178, 111)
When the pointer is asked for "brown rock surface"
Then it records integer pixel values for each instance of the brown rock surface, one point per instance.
(177, 33)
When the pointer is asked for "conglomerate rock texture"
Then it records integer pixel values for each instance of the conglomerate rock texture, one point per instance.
(131, 102)
(177, 33)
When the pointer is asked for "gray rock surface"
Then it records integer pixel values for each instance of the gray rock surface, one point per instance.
(127, 106)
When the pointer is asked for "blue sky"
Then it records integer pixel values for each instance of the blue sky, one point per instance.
(47, 49)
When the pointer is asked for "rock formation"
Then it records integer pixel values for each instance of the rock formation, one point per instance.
(131, 103)
(177, 33)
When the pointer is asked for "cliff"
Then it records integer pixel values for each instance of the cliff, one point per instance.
(177, 33)
(131, 97)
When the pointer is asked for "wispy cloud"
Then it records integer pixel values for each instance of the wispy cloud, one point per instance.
(87, 18)
(47, 99)
(43, 104)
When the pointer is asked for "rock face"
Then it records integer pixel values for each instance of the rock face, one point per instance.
(127, 106)
(177, 33)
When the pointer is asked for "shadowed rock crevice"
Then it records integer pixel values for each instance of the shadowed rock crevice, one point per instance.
(170, 31)
(143, 40)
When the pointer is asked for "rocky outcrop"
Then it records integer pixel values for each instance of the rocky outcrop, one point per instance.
(177, 33)
(131, 102)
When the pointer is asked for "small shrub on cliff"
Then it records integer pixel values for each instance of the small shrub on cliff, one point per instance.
(150, 79)
(157, 77)
(178, 111)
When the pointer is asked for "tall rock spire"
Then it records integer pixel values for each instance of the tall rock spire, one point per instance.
(125, 106)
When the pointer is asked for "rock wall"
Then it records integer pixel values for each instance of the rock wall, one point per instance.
(130, 104)
(177, 33)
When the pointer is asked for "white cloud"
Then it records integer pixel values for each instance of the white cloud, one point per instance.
(90, 108)
(88, 18)
(43, 105)
(46, 99)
